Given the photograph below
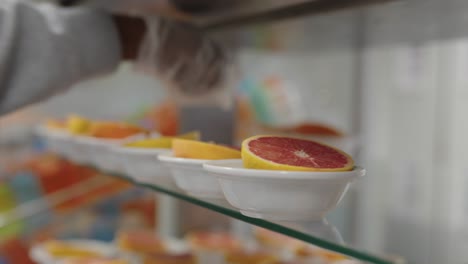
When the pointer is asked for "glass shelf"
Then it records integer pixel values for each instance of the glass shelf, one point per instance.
(320, 233)
(33, 208)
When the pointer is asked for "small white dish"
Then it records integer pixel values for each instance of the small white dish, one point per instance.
(281, 195)
(105, 159)
(190, 176)
(83, 149)
(57, 141)
(40, 255)
(142, 165)
(101, 154)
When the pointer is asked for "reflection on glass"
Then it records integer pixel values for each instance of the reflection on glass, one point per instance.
(319, 228)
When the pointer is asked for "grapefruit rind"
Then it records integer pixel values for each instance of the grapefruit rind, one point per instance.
(252, 161)
(192, 149)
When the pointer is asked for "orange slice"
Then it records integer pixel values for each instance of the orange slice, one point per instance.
(293, 154)
(184, 148)
(113, 130)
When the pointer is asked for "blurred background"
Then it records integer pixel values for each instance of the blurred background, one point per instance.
(391, 78)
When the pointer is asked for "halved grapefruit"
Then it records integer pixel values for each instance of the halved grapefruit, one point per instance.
(192, 149)
(293, 154)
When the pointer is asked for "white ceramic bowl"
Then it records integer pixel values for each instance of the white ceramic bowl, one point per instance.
(82, 149)
(56, 141)
(106, 159)
(100, 152)
(142, 165)
(190, 176)
(281, 195)
(87, 150)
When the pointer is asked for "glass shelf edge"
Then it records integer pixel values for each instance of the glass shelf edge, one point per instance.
(353, 253)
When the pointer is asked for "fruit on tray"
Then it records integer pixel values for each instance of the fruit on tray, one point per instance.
(140, 241)
(61, 249)
(113, 130)
(77, 125)
(249, 257)
(170, 259)
(216, 241)
(203, 150)
(162, 142)
(94, 261)
(293, 154)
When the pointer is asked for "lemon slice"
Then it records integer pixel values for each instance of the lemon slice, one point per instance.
(184, 148)
(78, 125)
(162, 142)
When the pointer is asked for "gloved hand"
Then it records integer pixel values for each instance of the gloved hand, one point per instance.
(191, 64)
(195, 67)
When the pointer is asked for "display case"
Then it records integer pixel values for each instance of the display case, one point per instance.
(388, 77)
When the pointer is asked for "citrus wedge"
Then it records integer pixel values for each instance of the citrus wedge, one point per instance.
(184, 148)
(293, 154)
(113, 130)
(77, 125)
(162, 142)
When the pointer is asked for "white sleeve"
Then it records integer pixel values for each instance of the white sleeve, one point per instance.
(45, 49)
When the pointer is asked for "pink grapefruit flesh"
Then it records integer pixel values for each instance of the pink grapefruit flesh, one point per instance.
(285, 153)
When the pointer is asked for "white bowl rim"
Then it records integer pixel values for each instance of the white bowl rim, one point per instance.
(169, 158)
(43, 130)
(147, 151)
(96, 141)
(234, 168)
(107, 141)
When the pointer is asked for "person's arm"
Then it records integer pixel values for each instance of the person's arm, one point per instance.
(45, 49)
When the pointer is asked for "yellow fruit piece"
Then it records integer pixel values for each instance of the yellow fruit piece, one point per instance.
(283, 153)
(192, 135)
(62, 249)
(77, 124)
(184, 148)
(162, 142)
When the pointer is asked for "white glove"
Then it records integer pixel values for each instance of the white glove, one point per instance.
(194, 67)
